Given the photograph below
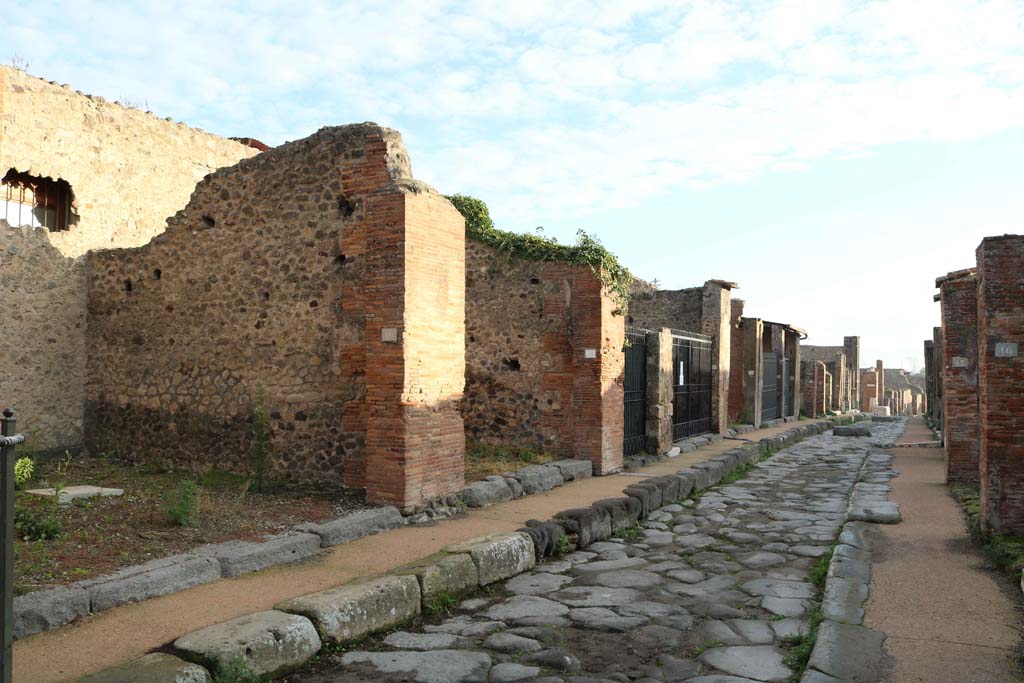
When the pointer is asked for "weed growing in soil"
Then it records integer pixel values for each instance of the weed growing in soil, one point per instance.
(182, 505)
(800, 646)
(237, 672)
(441, 603)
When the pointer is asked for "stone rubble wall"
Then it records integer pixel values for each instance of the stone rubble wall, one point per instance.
(544, 358)
(286, 284)
(129, 171)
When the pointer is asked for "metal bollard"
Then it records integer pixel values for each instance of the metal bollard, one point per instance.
(8, 441)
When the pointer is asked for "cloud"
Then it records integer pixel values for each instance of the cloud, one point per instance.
(549, 109)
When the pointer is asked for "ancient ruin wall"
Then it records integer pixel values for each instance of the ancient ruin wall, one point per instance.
(42, 337)
(129, 170)
(259, 294)
(680, 309)
(959, 366)
(530, 381)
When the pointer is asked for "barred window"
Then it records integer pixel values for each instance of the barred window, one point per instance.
(37, 202)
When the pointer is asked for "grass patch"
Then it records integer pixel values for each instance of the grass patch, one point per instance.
(441, 603)
(799, 647)
(1003, 551)
(736, 474)
(818, 572)
(631, 533)
(483, 459)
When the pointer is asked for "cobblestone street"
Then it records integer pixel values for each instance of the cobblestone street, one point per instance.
(708, 592)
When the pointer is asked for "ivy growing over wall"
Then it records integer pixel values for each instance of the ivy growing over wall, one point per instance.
(587, 251)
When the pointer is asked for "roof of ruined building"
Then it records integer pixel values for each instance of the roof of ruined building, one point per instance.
(252, 142)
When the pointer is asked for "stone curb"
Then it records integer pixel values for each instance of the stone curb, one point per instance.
(356, 609)
(846, 651)
(54, 607)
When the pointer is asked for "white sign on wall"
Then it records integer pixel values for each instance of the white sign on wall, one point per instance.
(1007, 349)
(959, 362)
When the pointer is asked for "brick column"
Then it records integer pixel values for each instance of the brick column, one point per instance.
(737, 370)
(1001, 382)
(960, 375)
(880, 381)
(852, 348)
(716, 322)
(797, 370)
(659, 390)
(415, 348)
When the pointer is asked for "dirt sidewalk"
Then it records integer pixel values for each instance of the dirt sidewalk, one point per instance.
(947, 617)
(124, 633)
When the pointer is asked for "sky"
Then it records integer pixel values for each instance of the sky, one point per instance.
(832, 157)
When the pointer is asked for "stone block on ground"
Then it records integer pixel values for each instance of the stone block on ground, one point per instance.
(442, 574)
(442, 666)
(151, 579)
(539, 478)
(573, 469)
(355, 525)
(849, 653)
(843, 599)
(70, 493)
(498, 556)
(486, 492)
(714, 469)
(157, 667)
(623, 513)
(851, 430)
(546, 536)
(590, 524)
(270, 643)
(359, 608)
(47, 609)
(240, 557)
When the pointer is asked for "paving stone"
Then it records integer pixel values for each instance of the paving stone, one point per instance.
(843, 599)
(787, 628)
(761, 559)
(780, 589)
(507, 672)
(602, 619)
(82, 492)
(241, 557)
(438, 666)
(523, 606)
(463, 626)
(355, 525)
(573, 470)
(761, 661)
(498, 556)
(271, 643)
(627, 578)
(609, 565)
(359, 608)
(403, 640)
(557, 659)
(511, 643)
(157, 667)
(753, 631)
(785, 607)
(597, 596)
(537, 583)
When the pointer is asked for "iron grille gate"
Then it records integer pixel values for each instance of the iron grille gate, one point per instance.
(691, 390)
(770, 386)
(635, 392)
(789, 377)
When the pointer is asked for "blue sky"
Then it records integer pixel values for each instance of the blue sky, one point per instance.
(830, 156)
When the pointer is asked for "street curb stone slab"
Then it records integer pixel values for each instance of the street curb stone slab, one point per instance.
(498, 556)
(359, 608)
(271, 643)
(150, 579)
(241, 557)
(47, 609)
(157, 667)
(356, 525)
(442, 573)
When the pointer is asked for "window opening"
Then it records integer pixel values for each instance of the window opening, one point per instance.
(27, 200)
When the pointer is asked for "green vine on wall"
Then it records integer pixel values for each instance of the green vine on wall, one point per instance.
(615, 277)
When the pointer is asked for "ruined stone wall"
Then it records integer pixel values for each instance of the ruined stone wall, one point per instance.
(851, 346)
(841, 367)
(316, 280)
(544, 357)
(869, 390)
(960, 375)
(681, 309)
(812, 387)
(42, 337)
(1001, 378)
(129, 171)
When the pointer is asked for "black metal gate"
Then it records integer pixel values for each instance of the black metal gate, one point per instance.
(789, 378)
(691, 370)
(635, 392)
(770, 385)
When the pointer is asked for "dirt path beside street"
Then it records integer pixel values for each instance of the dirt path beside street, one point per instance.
(947, 617)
